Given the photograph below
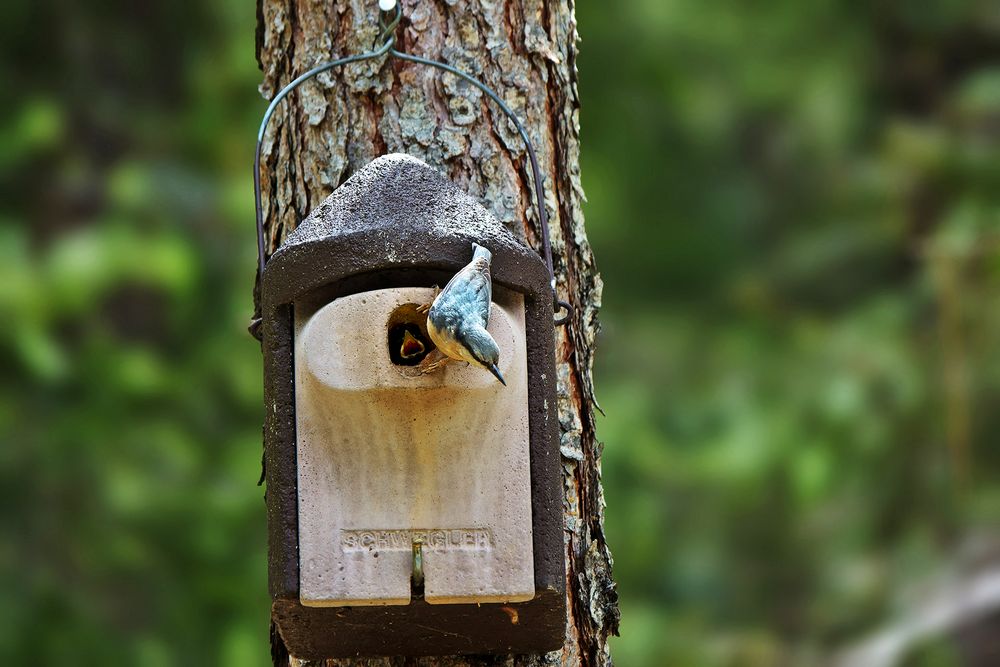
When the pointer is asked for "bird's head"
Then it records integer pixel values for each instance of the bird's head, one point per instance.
(411, 346)
(483, 349)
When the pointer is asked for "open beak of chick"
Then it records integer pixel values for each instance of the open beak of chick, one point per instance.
(411, 346)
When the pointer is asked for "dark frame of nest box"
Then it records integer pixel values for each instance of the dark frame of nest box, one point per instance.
(399, 223)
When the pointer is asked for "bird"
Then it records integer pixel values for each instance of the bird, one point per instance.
(411, 346)
(408, 345)
(458, 315)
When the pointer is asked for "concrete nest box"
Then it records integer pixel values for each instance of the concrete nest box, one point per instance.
(408, 513)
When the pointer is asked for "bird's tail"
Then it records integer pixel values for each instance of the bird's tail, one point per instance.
(479, 251)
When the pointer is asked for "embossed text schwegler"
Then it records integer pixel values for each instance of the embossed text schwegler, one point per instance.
(450, 539)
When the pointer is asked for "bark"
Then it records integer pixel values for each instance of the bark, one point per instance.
(330, 127)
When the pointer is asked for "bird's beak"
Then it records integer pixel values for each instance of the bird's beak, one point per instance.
(411, 347)
(496, 371)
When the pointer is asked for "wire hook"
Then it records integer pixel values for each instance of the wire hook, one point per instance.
(388, 30)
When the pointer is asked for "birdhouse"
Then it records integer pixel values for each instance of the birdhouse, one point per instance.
(409, 512)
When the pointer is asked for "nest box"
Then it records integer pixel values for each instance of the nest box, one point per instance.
(408, 513)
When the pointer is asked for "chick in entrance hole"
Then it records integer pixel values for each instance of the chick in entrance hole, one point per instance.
(408, 345)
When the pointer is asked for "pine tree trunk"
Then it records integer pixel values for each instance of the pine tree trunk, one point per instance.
(330, 127)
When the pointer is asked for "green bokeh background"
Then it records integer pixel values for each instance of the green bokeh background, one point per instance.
(796, 210)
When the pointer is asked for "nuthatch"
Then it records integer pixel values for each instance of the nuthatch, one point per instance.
(457, 319)
(411, 346)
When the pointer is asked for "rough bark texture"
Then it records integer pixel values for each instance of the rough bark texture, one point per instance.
(332, 126)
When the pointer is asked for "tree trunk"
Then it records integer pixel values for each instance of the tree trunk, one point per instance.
(332, 126)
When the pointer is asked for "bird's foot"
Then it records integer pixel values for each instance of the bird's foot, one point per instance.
(432, 362)
(425, 308)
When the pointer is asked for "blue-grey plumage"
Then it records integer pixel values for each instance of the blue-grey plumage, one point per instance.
(456, 321)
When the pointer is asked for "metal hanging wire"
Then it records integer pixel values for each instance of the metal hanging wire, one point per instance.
(387, 39)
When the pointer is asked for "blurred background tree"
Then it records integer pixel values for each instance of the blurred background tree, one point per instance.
(795, 207)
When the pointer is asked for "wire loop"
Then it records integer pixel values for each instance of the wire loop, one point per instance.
(387, 40)
(389, 30)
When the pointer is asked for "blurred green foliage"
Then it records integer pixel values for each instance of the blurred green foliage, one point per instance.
(131, 412)
(795, 207)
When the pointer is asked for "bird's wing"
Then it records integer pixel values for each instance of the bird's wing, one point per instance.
(469, 294)
(485, 295)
